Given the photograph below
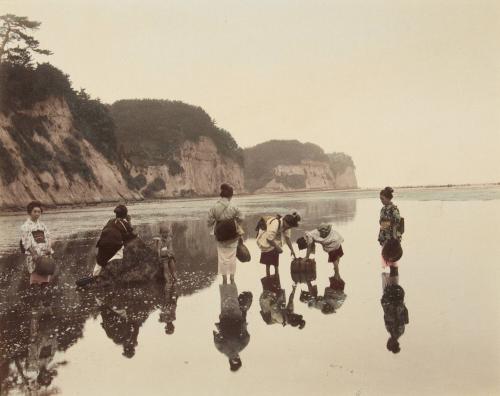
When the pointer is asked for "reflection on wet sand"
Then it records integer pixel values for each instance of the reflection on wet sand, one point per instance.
(274, 308)
(395, 311)
(232, 335)
(331, 300)
(37, 323)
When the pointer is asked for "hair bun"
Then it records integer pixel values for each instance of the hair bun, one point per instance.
(389, 189)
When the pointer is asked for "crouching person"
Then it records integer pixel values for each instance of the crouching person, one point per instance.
(114, 236)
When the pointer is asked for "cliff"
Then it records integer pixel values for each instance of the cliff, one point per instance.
(201, 170)
(174, 149)
(44, 157)
(288, 165)
(62, 147)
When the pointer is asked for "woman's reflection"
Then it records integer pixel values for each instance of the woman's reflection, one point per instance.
(273, 305)
(395, 311)
(232, 335)
(31, 344)
(123, 314)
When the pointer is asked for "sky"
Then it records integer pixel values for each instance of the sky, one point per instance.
(409, 89)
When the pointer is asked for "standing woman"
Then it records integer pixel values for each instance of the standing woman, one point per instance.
(36, 242)
(225, 218)
(390, 220)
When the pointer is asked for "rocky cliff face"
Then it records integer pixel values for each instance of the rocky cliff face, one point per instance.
(44, 157)
(199, 172)
(309, 175)
(47, 156)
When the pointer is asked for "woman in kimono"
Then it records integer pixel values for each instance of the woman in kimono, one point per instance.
(35, 242)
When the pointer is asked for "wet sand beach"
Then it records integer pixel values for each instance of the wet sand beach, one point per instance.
(114, 341)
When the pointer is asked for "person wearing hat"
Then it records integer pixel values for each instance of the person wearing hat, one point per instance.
(115, 234)
(225, 220)
(329, 239)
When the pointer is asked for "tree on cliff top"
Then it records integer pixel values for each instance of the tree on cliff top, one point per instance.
(16, 45)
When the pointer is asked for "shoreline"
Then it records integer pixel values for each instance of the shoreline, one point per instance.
(61, 208)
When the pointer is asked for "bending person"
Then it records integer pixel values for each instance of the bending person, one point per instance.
(116, 233)
(330, 240)
(272, 233)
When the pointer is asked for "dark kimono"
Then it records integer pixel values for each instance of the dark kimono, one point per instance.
(391, 214)
(115, 234)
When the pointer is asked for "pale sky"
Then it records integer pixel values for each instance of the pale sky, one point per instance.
(409, 89)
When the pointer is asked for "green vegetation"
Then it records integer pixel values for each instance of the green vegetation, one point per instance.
(24, 86)
(17, 45)
(151, 131)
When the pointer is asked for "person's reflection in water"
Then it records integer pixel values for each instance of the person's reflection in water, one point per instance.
(38, 369)
(122, 317)
(332, 299)
(273, 306)
(168, 308)
(395, 311)
(232, 335)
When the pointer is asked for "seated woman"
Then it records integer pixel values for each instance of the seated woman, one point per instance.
(330, 240)
(116, 233)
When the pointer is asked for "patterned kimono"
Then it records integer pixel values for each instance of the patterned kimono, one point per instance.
(34, 234)
(391, 214)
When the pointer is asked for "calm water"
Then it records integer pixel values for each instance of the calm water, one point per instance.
(115, 341)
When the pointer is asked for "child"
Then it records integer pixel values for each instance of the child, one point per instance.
(166, 254)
